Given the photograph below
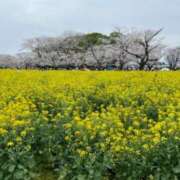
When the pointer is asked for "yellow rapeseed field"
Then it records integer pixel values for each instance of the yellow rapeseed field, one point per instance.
(89, 125)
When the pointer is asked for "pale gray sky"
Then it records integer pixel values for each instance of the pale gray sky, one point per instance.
(22, 19)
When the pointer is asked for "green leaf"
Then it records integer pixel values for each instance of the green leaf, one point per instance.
(12, 168)
(177, 169)
(19, 175)
(1, 175)
(81, 177)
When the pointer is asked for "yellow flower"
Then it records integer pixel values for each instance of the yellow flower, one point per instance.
(23, 133)
(66, 138)
(3, 131)
(156, 139)
(82, 153)
(88, 125)
(67, 126)
(145, 146)
(77, 133)
(19, 139)
(117, 148)
(45, 113)
(18, 123)
(10, 144)
(77, 119)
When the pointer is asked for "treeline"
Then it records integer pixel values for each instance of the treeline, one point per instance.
(121, 50)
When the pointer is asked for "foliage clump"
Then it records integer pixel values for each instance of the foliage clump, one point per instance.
(89, 125)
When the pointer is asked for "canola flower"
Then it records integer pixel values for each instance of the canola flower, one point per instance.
(3, 131)
(10, 144)
(87, 117)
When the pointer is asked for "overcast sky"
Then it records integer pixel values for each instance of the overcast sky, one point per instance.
(22, 19)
